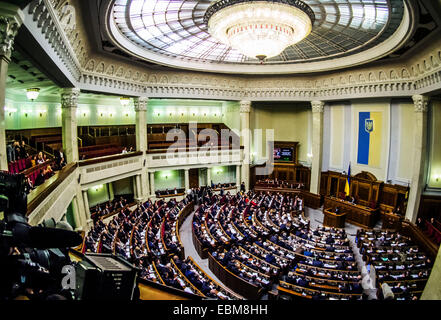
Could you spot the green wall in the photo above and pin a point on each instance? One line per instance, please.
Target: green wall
(231, 111)
(98, 194)
(108, 111)
(223, 174)
(169, 179)
(123, 186)
(184, 111)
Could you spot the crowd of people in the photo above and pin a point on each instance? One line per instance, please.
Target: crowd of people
(16, 150)
(107, 208)
(401, 268)
(264, 239)
(148, 237)
(19, 160)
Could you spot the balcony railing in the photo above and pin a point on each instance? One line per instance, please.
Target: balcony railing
(97, 169)
(194, 156)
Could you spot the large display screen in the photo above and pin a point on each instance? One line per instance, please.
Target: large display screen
(283, 154)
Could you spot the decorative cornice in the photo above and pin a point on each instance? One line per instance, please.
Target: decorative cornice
(420, 102)
(245, 106)
(141, 103)
(418, 74)
(11, 18)
(45, 18)
(69, 97)
(317, 106)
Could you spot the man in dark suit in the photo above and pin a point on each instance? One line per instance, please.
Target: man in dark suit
(270, 258)
(242, 187)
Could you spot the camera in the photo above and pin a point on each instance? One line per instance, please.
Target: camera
(31, 258)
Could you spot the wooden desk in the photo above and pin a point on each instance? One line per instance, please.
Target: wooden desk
(244, 288)
(391, 220)
(356, 214)
(332, 219)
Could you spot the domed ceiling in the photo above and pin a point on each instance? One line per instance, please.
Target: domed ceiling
(345, 33)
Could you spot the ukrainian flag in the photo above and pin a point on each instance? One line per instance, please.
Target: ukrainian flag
(348, 181)
(370, 138)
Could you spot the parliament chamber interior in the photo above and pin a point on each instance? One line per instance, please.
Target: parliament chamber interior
(220, 150)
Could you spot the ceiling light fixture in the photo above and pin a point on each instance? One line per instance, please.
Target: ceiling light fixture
(258, 28)
(32, 93)
(124, 101)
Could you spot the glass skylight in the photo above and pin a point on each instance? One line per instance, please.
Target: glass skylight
(175, 28)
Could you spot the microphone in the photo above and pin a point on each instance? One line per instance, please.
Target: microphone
(46, 238)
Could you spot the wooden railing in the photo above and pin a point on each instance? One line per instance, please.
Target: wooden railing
(109, 158)
(235, 283)
(44, 190)
(411, 230)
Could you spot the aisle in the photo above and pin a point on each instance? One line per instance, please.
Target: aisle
(316, 219)
(186, 237)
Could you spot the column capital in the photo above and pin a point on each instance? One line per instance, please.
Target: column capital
(245, 106)
(141, 103)
(69, 97)
(317, 106)
(420, 102)
(11, 18)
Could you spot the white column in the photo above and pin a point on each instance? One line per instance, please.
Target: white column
(419, 156)
(134, 187)
(86, 208)
(139, 197)
(432, 290)
(209, 177)
(11, 18)
(245, 108)
(317, 145)
(141, 104)
(80, 213)
(110, 188)
(152, 184)
(187, 179)
(69, 104)
(76, 214)
(238, 177)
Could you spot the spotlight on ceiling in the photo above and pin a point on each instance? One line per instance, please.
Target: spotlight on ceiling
(32, 93)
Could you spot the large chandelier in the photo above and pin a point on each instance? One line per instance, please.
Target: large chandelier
(258, 28)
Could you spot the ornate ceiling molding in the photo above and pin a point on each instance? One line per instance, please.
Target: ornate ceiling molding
(11, 19)
(417, 74)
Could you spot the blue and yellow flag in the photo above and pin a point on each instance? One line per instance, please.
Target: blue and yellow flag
(348, 180)
(370, 138)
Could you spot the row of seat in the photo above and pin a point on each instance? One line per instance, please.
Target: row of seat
(19, 165)
(153, 235)
(397, 262)
(257, 246)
